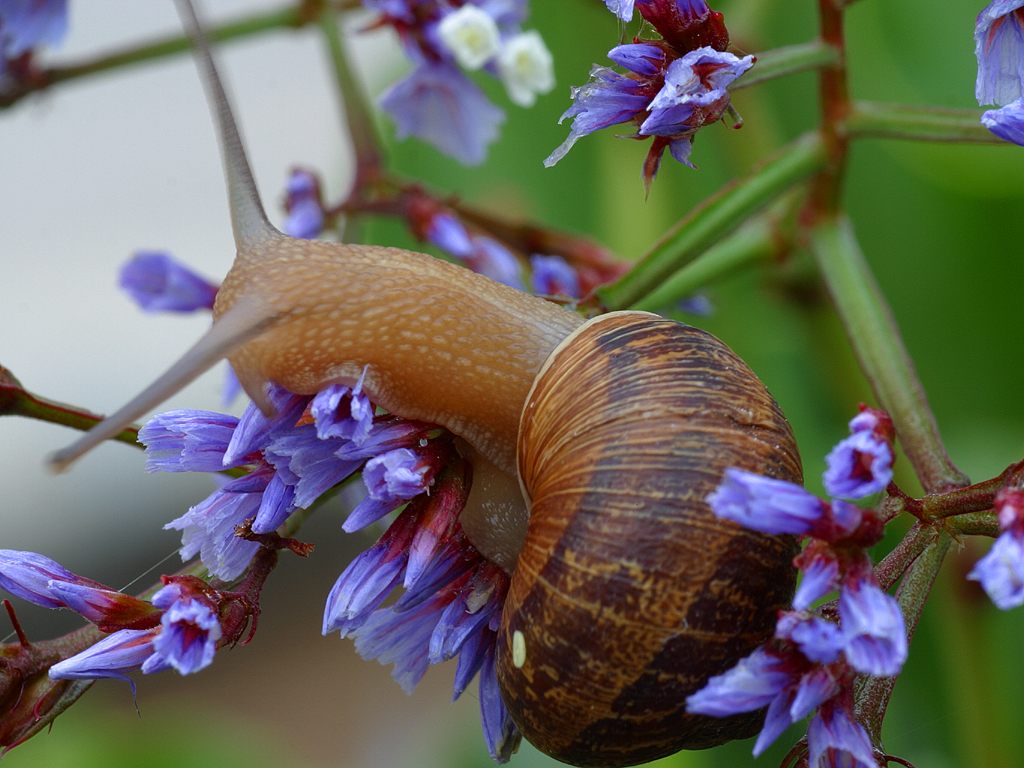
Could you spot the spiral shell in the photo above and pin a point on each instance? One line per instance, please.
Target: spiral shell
(628, 593)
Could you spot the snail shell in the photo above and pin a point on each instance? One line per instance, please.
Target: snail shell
(628, 593)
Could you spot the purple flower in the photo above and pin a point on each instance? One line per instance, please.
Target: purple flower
(859, 466)
(621, 8)
(1001, 571)
(448, 233)
(492, 259)
(608, 99)
(305, 209)
(188, 637)
(873, 631)
(340, 411)
(254, 430)
(765, 504)
(999, 47)
(159, 283)
(819, 640)
(439, 104)
(553, 276)
(1007, 122)
(820, 576)
(753, 683)
(835, 739)
(644, 59)
(112, 656)
(26, 24)
(187, 441)
(500, 732)
(30, 576)
(391, 478)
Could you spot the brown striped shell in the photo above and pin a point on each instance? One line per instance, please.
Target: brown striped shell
(628, 593)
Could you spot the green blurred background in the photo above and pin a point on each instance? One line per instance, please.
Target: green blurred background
(941, 225)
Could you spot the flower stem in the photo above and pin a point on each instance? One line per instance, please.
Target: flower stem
(883, 358)
(917, 123)
(895, 564)
(780, 62)
(357, 113)
(297, 16)
(15, 400)
(874, 693)
(715, 218)
(758, 241)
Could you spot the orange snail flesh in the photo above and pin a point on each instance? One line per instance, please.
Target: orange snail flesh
(628, 593)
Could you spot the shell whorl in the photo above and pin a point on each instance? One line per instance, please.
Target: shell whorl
(628, 593)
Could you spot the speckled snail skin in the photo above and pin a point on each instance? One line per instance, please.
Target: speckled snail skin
(626, 593)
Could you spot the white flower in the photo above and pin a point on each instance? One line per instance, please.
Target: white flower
(471, 35)
(526, 68)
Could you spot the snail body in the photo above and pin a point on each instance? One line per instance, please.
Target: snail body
(626, 593)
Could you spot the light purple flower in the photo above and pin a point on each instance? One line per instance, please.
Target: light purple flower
(254, 430)
(439, 104)
(643, 58)
(500, 732)
(341, 411)
(159, 283)
(26, 24)
(1001, 571)
(450, 235)
(554, 276)
(113, 656)
(188, 637)
(753, 683)
(835, 739)
(858, 466)
(29, 576)
(819, 640)
(491, 259)
(999, 47)
(621, 8)
(391, 479)
(873, 630)
(1007, 122)
(820, 577)
(765, 504)
(187, 441)
(305, 210)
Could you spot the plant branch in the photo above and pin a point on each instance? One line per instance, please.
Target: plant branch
(872, 119)
(780, 62)
(876, 341)
(715, 218)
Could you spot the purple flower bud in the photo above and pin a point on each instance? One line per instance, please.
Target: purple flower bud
(753, 683)
(309, 464)
(553, 276)
(1007, 122)
(112, 656)
(873, 629)
(491, 259)
(500, 732)
(440, 105)
(835, 739)
(341, 411)
(305, 210)
(765, 504)
(999, 47)
(390, 479)
(815, 688)
(642, 58)
(448, 233)
(29, 576)
(820, 576)
(158, 283)
(819, 640)
(188, 639)
(859, 466)
(108, 609)
(187, 441)
(26, 24)
(401, 638)
(1001, 572)
(362, 587)
(254, 430)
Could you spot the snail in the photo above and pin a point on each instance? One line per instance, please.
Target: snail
(593, 446)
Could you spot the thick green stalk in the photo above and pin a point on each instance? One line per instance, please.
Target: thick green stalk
(916, 123)
(780, 62)
(874, 693)
(877, 343)
(715, 218)
(758, 241)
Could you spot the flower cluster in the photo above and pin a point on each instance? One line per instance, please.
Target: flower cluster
(1001, 571)
(999, 46)
(25, 25)
(811, 662)
(673, 86)
(179, 628)
(452, 596)
(437, 102)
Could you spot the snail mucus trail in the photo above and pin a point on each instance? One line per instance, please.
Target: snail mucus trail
(626, 593)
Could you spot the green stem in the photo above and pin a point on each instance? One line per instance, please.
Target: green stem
(715, 218)
(756, 242)
(357, 112)
(917, 123)
(297, 16)
(874, 693)
(877, 343)
(780, 62)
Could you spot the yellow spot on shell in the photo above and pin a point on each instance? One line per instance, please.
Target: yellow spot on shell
(518, 649)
